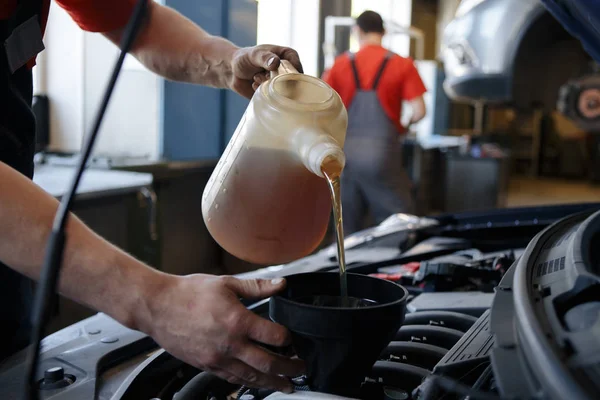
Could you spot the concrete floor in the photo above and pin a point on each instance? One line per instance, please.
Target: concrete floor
(529, 192)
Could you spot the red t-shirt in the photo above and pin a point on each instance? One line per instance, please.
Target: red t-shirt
(90, 15)
(400, 80)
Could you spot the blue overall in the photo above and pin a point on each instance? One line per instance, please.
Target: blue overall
(373, 180)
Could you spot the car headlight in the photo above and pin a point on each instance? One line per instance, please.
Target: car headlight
(465, 6)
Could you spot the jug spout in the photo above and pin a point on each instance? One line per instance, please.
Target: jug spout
(315, 147)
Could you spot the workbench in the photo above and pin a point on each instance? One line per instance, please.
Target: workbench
(94, 183)
(183, 244)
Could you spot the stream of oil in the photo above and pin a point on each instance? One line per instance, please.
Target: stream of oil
(332, 170)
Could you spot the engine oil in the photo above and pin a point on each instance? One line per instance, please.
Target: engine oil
(332, 169)
(267, 201)
(271, 211)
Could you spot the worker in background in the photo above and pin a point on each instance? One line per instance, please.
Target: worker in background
(373, 84)
(197, 318)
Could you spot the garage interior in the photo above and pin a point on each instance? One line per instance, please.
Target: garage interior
(161, 140)
(488, 289)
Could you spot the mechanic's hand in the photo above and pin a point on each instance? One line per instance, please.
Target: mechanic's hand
(200, 320)
(251, 66)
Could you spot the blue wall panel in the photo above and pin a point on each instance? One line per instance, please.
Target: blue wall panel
(241, 30)
(192, 122)
(199, 121)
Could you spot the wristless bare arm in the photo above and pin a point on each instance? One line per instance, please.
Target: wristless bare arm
(418, 108)
(94, 272)
(197, 318)
(176, 48)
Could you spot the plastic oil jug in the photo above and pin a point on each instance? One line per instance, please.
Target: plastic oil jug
(267, 201)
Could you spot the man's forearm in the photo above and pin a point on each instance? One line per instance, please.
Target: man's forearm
(94, 272)
(418, 109)
(174, 47)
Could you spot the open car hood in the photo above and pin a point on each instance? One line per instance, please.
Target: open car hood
(582, 19)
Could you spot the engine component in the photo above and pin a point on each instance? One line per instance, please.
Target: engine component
(207, 384)
(471, 350)
(418, 354)
(55, 378)
(497, 357)
(305, 396)
(404, 376)
(101, 336)
(435, 335)
(471, 303)
(437, 246)
(539, 302)
(463, 270)
(446, 319)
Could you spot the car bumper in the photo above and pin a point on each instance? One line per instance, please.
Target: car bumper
(493, 88)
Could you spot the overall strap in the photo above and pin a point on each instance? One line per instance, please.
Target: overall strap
(381, 69)
(354, 70)
(21, 35)
(25, 10)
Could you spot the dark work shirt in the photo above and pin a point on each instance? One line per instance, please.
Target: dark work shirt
(17, 145)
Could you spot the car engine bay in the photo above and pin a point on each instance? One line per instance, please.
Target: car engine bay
(502, 304)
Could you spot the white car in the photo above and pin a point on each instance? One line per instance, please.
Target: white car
(514, 51)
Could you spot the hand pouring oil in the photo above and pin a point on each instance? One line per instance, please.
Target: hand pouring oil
(332, 169)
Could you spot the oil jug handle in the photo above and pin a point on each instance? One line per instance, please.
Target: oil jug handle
(285, 67)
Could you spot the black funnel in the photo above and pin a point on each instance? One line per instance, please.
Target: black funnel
(339, 344)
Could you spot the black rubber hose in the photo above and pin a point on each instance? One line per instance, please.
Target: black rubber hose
(398, 375)
(413, 353)
(452, 386)
(444, 319)
(435, 335)
(203, 384)
(483, 378)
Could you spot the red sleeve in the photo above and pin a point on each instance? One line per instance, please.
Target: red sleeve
(329, 77)
(99, 15)
(413, 85)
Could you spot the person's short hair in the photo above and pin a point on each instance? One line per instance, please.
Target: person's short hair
(370, 21)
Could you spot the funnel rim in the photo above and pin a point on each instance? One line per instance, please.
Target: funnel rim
(348, 309)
